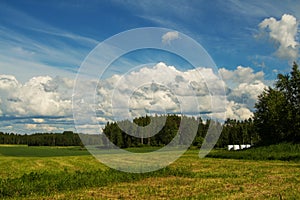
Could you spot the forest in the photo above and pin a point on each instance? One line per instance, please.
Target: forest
(67, 138)
(233, 132)
(276, 119)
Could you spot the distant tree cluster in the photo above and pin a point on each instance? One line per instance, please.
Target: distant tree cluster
(170, 129)
(67, 138)
(234, 132)
(238, 132)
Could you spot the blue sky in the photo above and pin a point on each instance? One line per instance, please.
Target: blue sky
(226, 29)
(52, 38)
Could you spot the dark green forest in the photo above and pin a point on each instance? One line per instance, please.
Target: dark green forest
(276, 120)
(67, 138)
(233, 132)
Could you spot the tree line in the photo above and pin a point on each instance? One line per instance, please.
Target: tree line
(67, 138)
(233, 131)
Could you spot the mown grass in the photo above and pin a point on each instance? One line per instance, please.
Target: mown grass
(16, 160)
(144, 149)
(47, 183)
(42, 151)
(83, 177)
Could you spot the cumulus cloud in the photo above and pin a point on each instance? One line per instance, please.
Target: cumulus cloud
(247, 93)
(7, 82)
(164, 89)
(41, 95)
(41, 104)
(159, 89)
(237, 111)
(240, 75)
(169, 36)
(283, 32)
(243, 87)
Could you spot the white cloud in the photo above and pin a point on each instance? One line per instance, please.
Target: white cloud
(243, 87)
(237, 111)
(161, 89)
(240, 75)
(38, 120)
(153, 89)
(31, 126)
(164, 89)
(8, 82)
(169, 36)
(42, 128)
(247, 92)
(8, 127)
(41, 95)
(283, 32)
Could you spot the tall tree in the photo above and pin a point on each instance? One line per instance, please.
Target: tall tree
(268, 118)
(289, 85)
(277, 116)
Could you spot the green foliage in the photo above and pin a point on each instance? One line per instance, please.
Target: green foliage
(237, 132)
(277, 116)
(268, 118)
(164, 136)
(233, 132)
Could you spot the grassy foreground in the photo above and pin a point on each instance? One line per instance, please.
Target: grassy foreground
(71, 173)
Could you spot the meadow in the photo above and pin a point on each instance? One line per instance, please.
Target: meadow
(72, 173)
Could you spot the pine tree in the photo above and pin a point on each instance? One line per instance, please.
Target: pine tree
(277, 116)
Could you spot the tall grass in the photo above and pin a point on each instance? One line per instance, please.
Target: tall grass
(46, 183)
(284, 151)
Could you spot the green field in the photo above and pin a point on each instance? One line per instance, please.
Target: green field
(284, 152)
(72, 173)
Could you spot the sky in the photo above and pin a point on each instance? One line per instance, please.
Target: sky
(45, 44)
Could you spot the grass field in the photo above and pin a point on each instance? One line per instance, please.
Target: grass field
(284, 151)
(72, 173)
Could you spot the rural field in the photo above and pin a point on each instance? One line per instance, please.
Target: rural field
(72, 173)
(96, 95)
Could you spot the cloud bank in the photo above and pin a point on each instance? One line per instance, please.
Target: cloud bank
(41, 95)
(44, 103)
